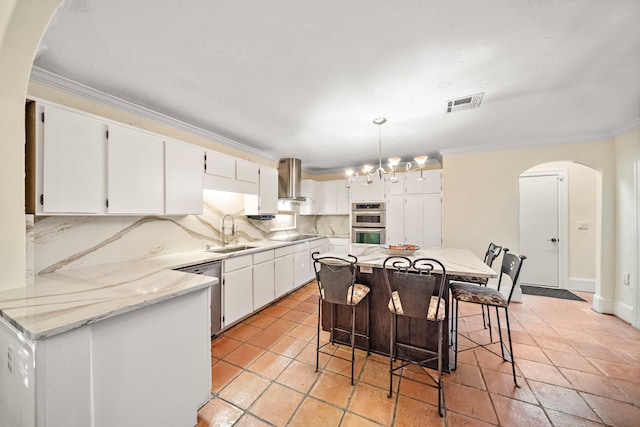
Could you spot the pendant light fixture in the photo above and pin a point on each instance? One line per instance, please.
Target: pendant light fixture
(394, 162)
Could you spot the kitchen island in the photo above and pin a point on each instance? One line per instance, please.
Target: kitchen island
(458, 262)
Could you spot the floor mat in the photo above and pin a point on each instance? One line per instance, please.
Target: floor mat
(549, 292)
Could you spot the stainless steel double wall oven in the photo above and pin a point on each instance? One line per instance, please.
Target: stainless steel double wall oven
(368, 223)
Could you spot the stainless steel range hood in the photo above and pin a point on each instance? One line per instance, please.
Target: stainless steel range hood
(289, 177)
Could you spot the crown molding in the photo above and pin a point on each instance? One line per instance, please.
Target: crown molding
(626, 128)
(47, 78)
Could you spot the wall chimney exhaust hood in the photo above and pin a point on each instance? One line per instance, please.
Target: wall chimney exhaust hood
(289, 177)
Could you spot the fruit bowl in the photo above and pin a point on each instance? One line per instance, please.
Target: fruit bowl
(402, 249)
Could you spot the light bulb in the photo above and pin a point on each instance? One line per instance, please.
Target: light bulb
(349, 173)
(393, 161)
(421, 160)
(367, 169)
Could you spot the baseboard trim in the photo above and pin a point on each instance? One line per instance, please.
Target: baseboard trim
(582, 285)
(602, 305)
(623, 311)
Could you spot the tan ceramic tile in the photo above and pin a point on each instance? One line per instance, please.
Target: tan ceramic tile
(468, 375)
(244, 389)
(343, 367)
(556, 344)
(244, 355)
(282, 326)
(307, 307)
(218, 413)
(372, 403)
(314, 413)
(502, 383)
(469, 401)
(295, 316)
(288, 303)
(423, 391)
(270, 365)
(249, 420)
(288, 346)
(599, 385)
(299, 376)
(516, 413)
(353, 420)
(332, 388)
(530, 352)
(277, 404)
(542, 372)
(562, 399)
(221, 374)
(265, 339)
(377, 374)
(567, 420)
(623, 371)
(310, 320)
(275, 310)
(261, 320)
(308, 355)
(243, 332)
(570, 360)
(411, 413)
(613, 412)
(303, 332)
(631, 389)
(222, 346)
(458, 420)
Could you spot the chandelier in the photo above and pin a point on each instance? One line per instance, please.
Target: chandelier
(394, 163)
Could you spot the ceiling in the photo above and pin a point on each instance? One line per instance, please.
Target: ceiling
(305, 79)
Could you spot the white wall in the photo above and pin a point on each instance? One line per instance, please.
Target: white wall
(480, 201)
(626, 256)
(22, 24)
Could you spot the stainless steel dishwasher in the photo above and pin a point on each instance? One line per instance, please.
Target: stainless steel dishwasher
(212, 269)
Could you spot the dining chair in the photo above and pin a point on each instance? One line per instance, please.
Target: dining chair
(336, 279)
(473, 294)
(493, 251)
(416, 290)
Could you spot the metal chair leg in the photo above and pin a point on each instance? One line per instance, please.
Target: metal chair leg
(391, 353)
(513, 359)
(353, 339)
(318, 335)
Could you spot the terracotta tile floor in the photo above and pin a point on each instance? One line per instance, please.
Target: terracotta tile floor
(576, 368)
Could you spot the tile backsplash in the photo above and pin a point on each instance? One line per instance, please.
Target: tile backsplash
(61, 242)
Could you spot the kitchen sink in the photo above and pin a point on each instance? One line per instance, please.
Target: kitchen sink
(229, 249)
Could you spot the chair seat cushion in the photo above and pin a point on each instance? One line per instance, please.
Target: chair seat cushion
(359, 292)
(433, 306)
(466, 279)
(478, 294)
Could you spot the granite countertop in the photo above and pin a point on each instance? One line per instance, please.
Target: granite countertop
(68, 299)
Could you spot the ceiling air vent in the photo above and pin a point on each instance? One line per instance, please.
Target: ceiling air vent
(464, 103)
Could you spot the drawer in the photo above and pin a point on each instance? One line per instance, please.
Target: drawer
(236, 263)
(301, 247)
(315, 244)
(263, 256)
(285, 250)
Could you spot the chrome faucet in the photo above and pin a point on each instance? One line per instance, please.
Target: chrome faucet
(233, 229)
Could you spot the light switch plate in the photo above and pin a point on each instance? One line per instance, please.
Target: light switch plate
(583, 226)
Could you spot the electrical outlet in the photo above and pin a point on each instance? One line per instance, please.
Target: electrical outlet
(10, 359)
(626, 279)
(583, 226)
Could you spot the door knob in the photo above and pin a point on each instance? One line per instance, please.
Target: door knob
(554, 240)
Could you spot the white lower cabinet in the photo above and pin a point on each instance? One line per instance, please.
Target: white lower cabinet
(237, 288)
(302, 270)
(283, 270)
(263, 279)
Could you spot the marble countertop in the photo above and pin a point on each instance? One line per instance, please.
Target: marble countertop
(68, 299)
(461, 262)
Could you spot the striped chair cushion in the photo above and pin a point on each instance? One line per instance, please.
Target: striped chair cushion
(431, 315)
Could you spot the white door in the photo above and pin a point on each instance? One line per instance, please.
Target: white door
(539, 229)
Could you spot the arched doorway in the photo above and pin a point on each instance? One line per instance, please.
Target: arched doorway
(559, 225)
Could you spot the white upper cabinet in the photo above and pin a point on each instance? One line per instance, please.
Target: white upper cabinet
(247, 171)
(410, 183)
(183, 178)
(310, 189)
(266, 201)
(73, 162)
(219, 164)
(363, 192)
(135, 171)
(335, 197)
(228, 173)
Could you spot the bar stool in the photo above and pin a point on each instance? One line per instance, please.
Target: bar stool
(417, 293)
(337, 283)
(473, 294)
